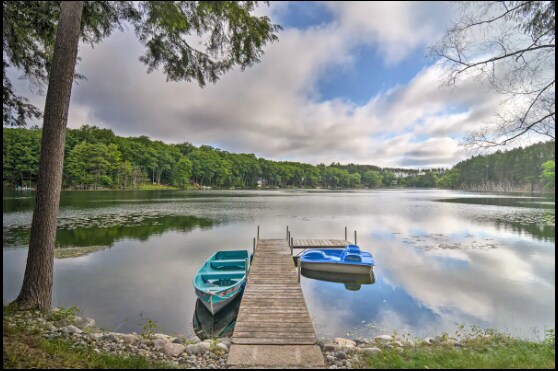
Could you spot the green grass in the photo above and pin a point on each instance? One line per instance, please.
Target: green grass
(496, 352)
(26, 348)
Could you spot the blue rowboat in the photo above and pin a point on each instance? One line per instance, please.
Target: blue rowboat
(221, 278)
(348, 260)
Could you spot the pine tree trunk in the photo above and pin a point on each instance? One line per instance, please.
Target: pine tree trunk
(36, 291)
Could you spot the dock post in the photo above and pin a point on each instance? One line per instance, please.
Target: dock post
(258, 232)
(287, 235)
(254, 246)
(345, 233)
(298, 270)
(355, 238)
(292, 244)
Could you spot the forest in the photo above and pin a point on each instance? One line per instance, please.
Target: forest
(96, 158)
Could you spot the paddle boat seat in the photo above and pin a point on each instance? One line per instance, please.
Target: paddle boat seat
(315, 255)
(351, 253)
(228, 263)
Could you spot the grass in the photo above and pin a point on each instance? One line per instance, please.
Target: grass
(498, 351)
(24, 347)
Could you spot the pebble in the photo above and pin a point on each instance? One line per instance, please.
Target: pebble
(346, 343)
(341, 355)
(383, 339)
(331, 347)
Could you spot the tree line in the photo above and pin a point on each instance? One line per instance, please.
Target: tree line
(527, 169)
(96, 158)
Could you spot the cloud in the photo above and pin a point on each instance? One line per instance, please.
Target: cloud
(273, 109)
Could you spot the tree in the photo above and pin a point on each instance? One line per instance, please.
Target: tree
(511, 45)
(181, 173)
(548, 175)
(36, 291)
(234, 37)
(372, 178)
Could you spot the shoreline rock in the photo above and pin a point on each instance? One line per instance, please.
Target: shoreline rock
(191, 352)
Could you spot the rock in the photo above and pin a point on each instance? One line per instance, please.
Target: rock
(427, 340)
(196, 349)
(223, 346)
(84, 323)
(371, 351)
(363, 343)
(397, 344)
(383, 339)
(331, 348)
(330, 359)
(346, 343)
(180, 340)
(129, 339)
(226, 341)
(341, 355)
(162, 337)
(204, 346)
(96, 350)
(111, 336)
(173, 349)
(348, 364)
(158, 344)
(70, 330)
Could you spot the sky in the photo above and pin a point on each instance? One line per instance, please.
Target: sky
(347, 82)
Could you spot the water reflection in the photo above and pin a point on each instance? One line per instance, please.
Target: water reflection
(530, 202)
(105, 231)
(439, 263)
(352, 282)
(207, 326)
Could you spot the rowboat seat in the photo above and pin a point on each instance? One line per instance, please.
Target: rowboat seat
(228, 263)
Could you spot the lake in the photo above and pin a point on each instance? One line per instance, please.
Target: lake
(443, 258)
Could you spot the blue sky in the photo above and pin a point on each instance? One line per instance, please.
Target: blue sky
(368, 74)
(346, 82)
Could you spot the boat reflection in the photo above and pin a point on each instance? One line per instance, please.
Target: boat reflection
(352, 282)
(207, 326)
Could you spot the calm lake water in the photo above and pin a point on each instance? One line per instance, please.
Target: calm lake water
(443, 258)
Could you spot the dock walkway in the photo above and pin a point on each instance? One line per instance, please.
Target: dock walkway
(273, 327)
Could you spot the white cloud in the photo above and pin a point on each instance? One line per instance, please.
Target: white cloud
(273, 109)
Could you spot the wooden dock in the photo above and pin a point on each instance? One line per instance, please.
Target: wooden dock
(317, 243)
(273, 327)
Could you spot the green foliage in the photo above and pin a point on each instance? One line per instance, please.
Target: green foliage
(548, 175)
(450, 179)
(506, 169)
(149, 328)
(372, 178)
(495, 351)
